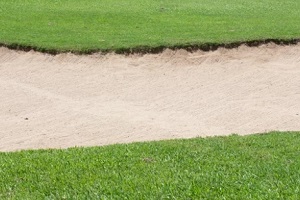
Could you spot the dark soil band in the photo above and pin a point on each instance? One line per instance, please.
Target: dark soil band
(155, 50)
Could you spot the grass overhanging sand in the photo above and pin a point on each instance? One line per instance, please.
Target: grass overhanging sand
(236, 167)
(148, 26)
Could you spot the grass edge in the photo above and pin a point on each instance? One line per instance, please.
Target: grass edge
(190, 47)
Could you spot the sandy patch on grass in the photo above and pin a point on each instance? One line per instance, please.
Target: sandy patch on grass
(68, 100)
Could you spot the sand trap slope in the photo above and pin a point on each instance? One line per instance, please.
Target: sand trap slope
(68, 100)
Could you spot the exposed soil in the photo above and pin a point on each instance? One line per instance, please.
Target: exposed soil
(66, 100)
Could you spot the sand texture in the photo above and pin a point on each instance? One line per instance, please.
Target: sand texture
(69, 100)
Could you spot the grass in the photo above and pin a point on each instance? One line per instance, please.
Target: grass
(262, 166)
(91, 25)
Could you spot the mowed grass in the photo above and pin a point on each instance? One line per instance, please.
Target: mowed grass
(262, 166)
(86, 25)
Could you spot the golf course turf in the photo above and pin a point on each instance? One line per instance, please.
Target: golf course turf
(235, 167)
(92, 25)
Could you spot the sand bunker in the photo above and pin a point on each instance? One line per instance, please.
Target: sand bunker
(69, 100)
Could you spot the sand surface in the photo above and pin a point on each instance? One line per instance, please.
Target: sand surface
(69, 100)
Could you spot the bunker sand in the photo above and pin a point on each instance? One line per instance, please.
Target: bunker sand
(69, 100)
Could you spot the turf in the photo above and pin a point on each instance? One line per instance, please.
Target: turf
(262, 166)
(86, 25)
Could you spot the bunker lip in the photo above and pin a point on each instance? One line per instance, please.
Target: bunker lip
(67, 100)
(190, 47)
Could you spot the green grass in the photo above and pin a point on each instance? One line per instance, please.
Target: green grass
(85, 25)
(251, 167)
